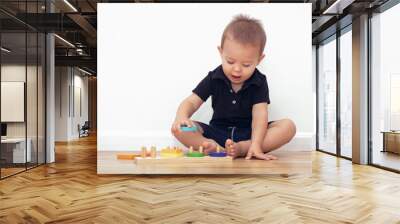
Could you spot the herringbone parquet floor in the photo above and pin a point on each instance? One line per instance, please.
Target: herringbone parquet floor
(70, 191)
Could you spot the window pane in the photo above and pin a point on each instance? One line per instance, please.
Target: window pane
(41, 98)
(31, 85)
(346, 93)
(14, 153)
(327, 96)
(31, 101)
(386, 88)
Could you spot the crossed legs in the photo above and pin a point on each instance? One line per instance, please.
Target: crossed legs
(278, 134)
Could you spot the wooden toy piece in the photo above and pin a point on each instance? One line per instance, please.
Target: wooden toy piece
(198, 153)
(218, 153)
(201, 149)
(128, 156)
(171, 152)
(153, 152)
(190, 149)
(185, 128)
(195, 154)
(144, 152)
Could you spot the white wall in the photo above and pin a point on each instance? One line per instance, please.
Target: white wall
(152, 55)
(80, 83)
(61, 103)
(68, 81)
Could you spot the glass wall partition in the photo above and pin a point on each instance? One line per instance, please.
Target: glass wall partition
(22, 88)
(13, 110)
(385, 89)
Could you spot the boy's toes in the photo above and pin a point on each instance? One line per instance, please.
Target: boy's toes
(231, 152)
(271, 157)
(206, 145)
(231, 148)
(229, 143)
(207, 151)
(209, 147)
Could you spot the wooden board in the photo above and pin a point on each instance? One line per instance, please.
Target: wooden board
(184, 161)
(289, 162)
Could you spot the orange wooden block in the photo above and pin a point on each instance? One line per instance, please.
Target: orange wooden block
(127, 156)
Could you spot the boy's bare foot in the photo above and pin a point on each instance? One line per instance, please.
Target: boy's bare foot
(209, 146)
(233, 149)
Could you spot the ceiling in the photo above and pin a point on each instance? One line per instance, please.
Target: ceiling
(76, 22)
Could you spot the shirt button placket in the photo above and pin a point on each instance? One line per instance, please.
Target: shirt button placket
(234, 96)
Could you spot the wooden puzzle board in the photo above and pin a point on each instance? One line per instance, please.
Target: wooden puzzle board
(289, 162)
(204, 161)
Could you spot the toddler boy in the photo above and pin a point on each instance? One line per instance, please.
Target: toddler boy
(240, 99)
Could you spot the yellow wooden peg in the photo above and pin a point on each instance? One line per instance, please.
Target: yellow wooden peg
(144, 152)
(153, 152)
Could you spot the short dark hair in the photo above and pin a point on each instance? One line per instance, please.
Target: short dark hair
(245, 30)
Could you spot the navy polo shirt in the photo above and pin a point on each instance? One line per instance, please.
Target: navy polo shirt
(233, 109)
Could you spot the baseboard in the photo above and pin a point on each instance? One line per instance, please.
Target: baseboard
(301, 142)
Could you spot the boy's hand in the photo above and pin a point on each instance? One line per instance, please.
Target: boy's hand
(256, 151)
(176, 126)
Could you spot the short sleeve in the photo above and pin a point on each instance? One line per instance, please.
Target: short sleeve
(261, 94)
(203, 89)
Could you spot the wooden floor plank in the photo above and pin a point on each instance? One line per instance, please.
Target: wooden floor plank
(71, 191)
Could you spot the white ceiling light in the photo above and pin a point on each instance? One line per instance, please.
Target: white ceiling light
(65, 41)
(70, 5)
(337, 7)
(84, 71)
(5, 50)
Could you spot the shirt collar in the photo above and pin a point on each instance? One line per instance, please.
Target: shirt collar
(254, 79)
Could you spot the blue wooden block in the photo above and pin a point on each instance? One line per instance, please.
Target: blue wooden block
(187, 129)
(217, 154)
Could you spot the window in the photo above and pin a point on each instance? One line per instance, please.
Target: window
(327, 96)
(346, 93)
(385, 89)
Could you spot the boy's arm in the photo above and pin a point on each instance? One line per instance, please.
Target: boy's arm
(185, 110)
(259, 129)
(188, 106)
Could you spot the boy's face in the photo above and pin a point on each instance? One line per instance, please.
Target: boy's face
(239, 61)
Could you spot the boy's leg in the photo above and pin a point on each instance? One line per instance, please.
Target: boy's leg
(196, 139)
(278, 134)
